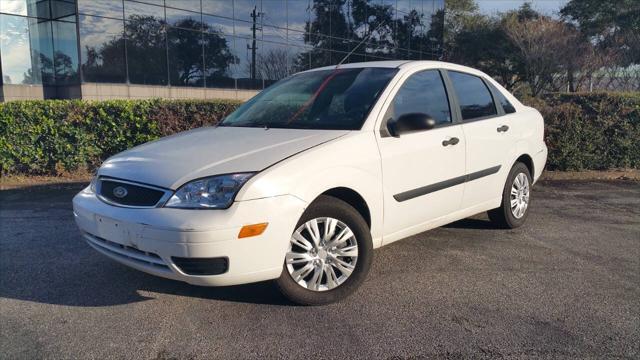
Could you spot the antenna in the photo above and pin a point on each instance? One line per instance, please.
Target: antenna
(360, 43)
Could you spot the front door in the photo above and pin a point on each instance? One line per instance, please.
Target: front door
(423, 172)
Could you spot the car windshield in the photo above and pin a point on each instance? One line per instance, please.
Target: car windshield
(337, 99)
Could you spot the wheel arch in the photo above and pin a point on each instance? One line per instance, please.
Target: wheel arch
(527, 160)
(352, 198)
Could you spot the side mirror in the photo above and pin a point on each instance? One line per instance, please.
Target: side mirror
(410, 123)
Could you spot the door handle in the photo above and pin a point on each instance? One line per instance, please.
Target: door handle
(451, 141)
(503, 128)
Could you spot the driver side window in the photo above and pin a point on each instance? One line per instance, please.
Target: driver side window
(423, 92)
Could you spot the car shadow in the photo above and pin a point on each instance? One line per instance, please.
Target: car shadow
(44, 259)
(472, 223)
(108, 283)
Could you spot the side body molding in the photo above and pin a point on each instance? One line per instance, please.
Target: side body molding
(414, 193)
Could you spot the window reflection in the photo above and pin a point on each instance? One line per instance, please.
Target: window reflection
(208, 42)
(186, 66)
(298, 12)
(136, 9)
(152, 2)
(21, 62)
(102, 49)
(65, 56)
(219, 58)
(107, 8)
(191, 5)
(146, 49)
(184, 19)
(242, 69)
(216, 24)
(274, 14)
(245, 29)
(243, 9)
(218, 7)
(62, 8)
(32, 8)
(274, 62)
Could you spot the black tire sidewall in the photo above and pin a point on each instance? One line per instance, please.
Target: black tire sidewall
(327, 206)
(510, 219)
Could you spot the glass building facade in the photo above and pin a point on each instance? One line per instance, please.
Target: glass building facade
(228, 44)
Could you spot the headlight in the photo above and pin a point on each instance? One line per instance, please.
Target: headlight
(91, 189)
(93, 184)
(216, 192)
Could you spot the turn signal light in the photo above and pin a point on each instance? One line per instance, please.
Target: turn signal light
(252, 230)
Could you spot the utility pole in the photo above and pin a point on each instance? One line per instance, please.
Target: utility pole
(254, 15)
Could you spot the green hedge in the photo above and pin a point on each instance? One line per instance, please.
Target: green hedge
(583, 131)
(53, 137)
(591, 131)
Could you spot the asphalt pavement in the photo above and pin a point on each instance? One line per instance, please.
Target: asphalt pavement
(566, 285)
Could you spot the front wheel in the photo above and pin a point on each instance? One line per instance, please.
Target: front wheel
(329, 254)
(516, 199)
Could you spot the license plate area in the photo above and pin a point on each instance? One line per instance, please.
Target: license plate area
(112, 230)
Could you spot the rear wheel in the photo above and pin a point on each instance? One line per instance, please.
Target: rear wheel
(329, 254)
(516, 198)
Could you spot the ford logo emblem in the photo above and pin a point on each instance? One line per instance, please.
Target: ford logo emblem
(120, 192)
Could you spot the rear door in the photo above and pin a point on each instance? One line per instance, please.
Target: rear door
(489, 136)
(422, 170)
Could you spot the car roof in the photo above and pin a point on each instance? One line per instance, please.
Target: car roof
(393, 64)
(423, 64)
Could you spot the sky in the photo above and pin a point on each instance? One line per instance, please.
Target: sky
(547, 7)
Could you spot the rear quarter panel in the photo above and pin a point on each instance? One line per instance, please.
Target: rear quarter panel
(531, 139)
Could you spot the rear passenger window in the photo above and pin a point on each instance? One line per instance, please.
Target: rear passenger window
(423, 92)
(506, 105)
(473, 96)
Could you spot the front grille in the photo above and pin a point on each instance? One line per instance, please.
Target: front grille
(202, 266)
(128, 194)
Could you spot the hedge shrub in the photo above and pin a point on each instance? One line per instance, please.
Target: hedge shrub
(49, 137)
(591, 131)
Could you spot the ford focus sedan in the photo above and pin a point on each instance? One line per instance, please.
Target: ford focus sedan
(301, 183)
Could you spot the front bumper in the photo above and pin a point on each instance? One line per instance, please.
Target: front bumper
(148, 239)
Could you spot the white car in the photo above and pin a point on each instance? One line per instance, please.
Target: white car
(304, 180)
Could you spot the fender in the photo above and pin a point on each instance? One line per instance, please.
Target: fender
(323, 168)
(367, 185)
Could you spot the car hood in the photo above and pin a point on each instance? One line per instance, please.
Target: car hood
(172, 161)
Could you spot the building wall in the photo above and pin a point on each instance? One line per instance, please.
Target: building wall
(199, 48)
(98, 91)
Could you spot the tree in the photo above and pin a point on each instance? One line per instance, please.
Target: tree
(611, 24)
(544, 45)
(485, 45)
(482, 42)
(275, 64)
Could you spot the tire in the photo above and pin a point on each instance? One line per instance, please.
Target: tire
(504, 216)
(332, 285)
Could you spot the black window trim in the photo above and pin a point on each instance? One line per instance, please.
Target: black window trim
(454, 104)
(494, 92)
(459, 119)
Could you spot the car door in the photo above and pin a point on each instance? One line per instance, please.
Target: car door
(422, 170)
(489, 138)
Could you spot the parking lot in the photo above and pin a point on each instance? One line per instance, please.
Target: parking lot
(566, 285)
